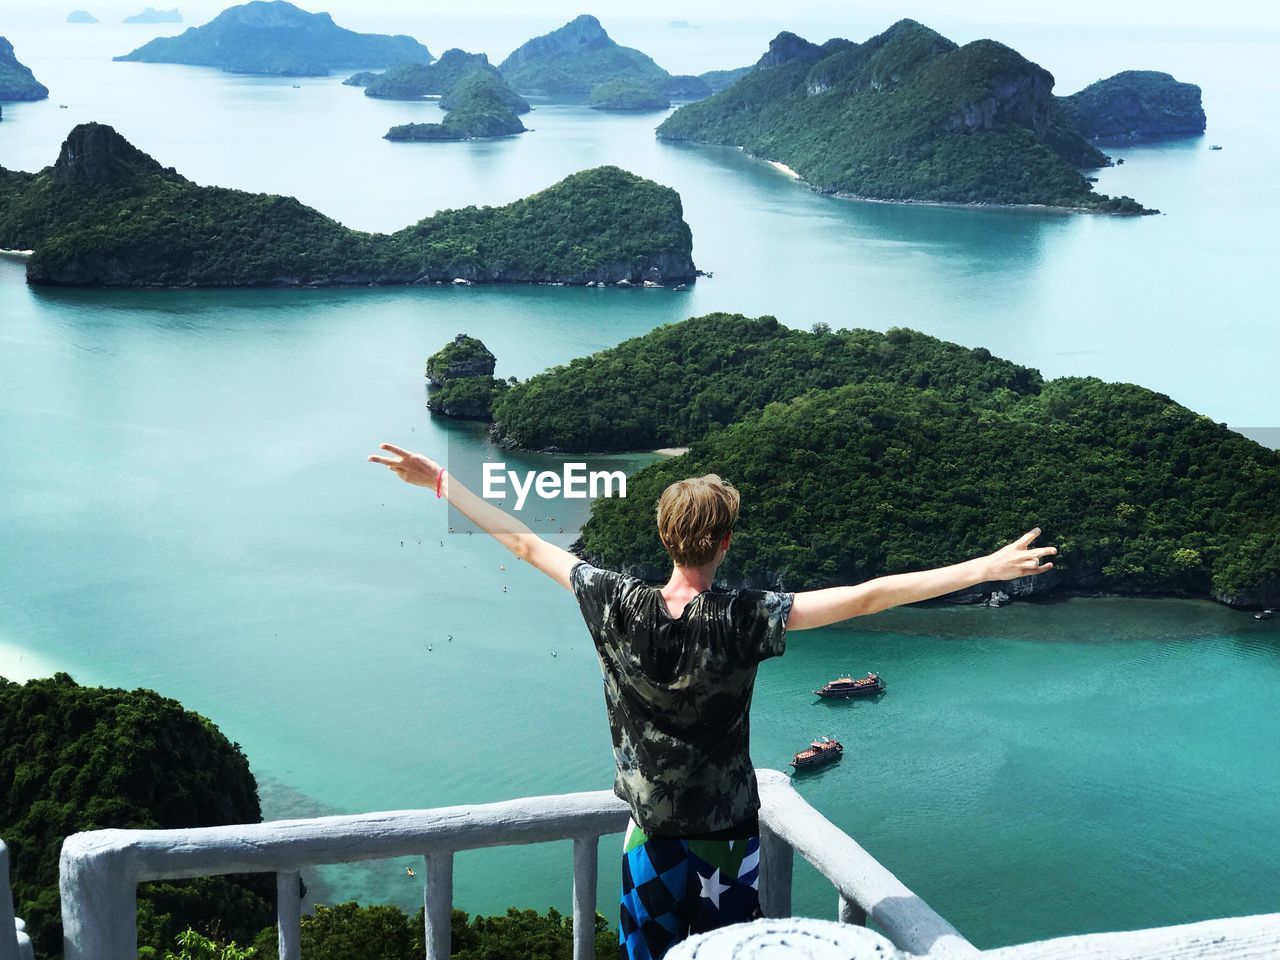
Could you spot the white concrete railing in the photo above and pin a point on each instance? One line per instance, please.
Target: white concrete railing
(14, 942)
(863, 885)
(100, 870)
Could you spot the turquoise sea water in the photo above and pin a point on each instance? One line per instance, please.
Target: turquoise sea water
(184, 502)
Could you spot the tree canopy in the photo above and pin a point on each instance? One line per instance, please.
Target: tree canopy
(76, 758)
(1140, 494)
(673, 384)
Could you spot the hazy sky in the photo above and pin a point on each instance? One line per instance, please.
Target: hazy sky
(1152, 13)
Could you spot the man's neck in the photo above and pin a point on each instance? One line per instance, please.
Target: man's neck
(688, 582)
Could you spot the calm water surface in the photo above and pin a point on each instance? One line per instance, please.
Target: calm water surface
(184, 503)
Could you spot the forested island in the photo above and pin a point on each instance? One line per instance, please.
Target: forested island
(906, 115)
(580, 56)
(629, 95)
(478, 108)
(455, 68)
(107, 214)
(152, 15)
(461, 373)
(862, 453)
(75, 758)
(17, 82)
(1136, 105)
(276, 38)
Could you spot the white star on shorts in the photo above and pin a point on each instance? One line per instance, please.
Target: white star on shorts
(712, 887)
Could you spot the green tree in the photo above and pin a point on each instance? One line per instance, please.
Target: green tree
(348, 930)
(195, 946)
(76, 758)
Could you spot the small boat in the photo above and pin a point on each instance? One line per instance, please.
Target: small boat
(1215, 147)
(866, 686)
(1264, 615)
(818, 752)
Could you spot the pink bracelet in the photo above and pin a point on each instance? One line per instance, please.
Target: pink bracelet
(439, 477)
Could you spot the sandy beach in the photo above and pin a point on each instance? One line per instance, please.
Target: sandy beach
(671, 451)
(779, 165)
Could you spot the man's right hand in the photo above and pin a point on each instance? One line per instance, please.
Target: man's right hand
(410, 467)
(1018, 559)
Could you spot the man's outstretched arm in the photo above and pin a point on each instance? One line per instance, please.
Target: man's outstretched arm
(513, 534)
(818, 608)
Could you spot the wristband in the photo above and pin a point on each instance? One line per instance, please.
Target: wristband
(439, 477)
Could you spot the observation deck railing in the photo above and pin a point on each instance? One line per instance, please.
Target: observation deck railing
(101, 869)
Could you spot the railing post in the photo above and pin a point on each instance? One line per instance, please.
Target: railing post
(776, 862)
(289, 915)
(8, 927)
(846, 911)
(586, 866)
(438, 905)
(99, 901)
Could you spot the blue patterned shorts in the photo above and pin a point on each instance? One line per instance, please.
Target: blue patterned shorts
(672, 888)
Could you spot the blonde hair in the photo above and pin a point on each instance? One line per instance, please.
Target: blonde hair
(694, 515)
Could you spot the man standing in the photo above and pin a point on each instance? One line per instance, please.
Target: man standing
(679, 664)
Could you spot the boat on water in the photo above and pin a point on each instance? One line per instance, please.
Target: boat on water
(1264, 615)
(824, 750)
(867, 686)
(1215, 147)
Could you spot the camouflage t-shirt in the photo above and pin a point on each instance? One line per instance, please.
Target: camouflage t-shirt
(678, 693)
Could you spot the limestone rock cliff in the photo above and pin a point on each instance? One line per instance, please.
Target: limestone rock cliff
(462, 374)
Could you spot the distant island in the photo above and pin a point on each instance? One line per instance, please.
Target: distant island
(907, 452)
(17, 82)
(106, 214)
(628, 95)
(81, 16)
(478, 107)
(152, 15)
(1136, 105)
(907, 115)
(578, 57)
(413, 81)
(273, 37)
